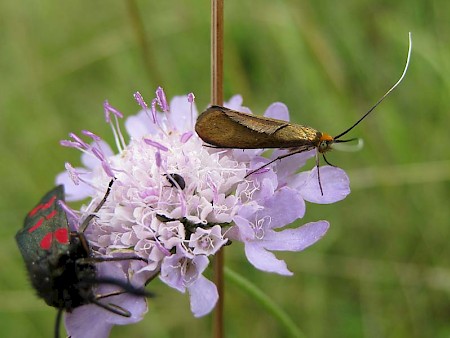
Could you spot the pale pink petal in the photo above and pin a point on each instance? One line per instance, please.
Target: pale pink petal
(284, 207)
(203, 296)
(295, 239)
(180, 115)
(335, 185)
(277, 110)
(265, 260)
(74, 192)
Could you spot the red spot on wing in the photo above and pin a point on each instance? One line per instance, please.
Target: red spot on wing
(51, 215)
(45, 205)
(46, 241)
(35, 210)
(48, 204)
(62, 235)
(37, 225)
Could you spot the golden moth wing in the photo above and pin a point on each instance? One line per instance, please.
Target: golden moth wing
(226, 128)
(216, 128)
(259, 124)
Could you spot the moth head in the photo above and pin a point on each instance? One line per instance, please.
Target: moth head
(325, 142)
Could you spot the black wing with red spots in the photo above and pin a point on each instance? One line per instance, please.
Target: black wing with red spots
(60, 263)
(45, 233)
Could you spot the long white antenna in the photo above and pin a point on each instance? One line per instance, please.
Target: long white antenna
(384, 96)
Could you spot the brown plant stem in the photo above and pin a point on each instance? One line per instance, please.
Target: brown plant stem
(217, 52)
(217, 98)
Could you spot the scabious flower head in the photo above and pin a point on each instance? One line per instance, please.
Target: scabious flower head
(175, 202)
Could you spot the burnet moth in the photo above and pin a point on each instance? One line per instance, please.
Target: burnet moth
(60, 262)
(226, 128)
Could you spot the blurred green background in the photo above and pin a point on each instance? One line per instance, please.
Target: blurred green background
(382, 270)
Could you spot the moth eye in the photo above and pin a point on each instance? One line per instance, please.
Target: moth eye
(323, 146)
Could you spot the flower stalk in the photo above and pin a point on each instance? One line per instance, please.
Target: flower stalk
(217, 98)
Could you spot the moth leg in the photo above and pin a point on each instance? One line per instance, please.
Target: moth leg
(125, 286)
(318, 172)
(58, 322)
(296, 151)
(90, 260)
(88, 219)
(326, 161)
(110, 294)
(118, 310)
(83, 241)
(213, 146)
